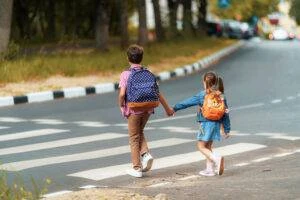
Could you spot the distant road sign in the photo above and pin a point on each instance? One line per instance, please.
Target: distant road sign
(224, 3)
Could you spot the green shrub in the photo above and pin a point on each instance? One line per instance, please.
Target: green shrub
(12, 52)
(17, 190)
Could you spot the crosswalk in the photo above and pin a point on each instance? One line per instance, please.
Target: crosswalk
(169, 161)
(16, 156)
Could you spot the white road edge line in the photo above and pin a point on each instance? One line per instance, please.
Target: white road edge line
(159, 184)
(54, 194)
(88, 187)
(188, 177)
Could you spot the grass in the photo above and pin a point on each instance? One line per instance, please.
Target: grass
(16, 190)
(88, 61)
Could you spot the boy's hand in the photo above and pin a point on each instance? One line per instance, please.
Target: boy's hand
(170, 112)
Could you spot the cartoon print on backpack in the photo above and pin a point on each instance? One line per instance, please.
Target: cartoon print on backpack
(214, 106)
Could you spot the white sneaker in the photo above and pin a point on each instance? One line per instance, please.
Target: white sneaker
(134, 172)
(147, 161)
(219, 165)
(207, 173)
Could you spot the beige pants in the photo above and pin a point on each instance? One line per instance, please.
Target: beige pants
(137, 141)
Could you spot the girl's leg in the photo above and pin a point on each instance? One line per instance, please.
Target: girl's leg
(202, 146)
(218, 160)
(209, 163)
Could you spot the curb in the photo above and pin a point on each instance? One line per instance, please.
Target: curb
(111, 87)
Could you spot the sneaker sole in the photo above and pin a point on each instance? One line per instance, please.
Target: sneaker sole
(133, 175)
(206, 174)
(149, 165)
(221, 167)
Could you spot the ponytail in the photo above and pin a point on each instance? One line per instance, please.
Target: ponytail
(211, 81)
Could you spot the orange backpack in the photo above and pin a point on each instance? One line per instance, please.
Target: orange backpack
(213, 106)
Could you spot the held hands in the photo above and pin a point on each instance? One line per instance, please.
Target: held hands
(170, 112)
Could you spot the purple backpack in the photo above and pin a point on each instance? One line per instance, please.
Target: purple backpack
(142, 91)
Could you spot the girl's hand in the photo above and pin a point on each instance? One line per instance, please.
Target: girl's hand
(170, 112)
(225, 135)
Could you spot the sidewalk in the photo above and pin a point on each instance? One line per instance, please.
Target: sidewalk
(73, 92)
(272, 179)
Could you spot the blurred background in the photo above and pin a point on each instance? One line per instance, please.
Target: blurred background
(38, 37)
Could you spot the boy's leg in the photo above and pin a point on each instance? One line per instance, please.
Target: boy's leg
(147, 159)
(143, 142)
(134, 127)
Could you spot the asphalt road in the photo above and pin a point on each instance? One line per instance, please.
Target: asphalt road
(83, 141)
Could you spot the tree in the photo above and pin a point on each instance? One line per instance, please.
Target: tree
(187, 17)
(124, 23)
(159, 30)
(143, 31)
(102, 24)
(202, 12)
(295, 10)
(5, 23)
(49, 13)
(245, 10)
(173, 7)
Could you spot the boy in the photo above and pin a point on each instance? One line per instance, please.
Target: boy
(137, 119)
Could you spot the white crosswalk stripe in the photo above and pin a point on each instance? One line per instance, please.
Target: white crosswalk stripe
(170, 161)
(30, 134)
(17, 166)
(281, 136)
(113, 170)
(48, 121)
(91, 124)
(60, 143)
(11, 119)
(3, 127)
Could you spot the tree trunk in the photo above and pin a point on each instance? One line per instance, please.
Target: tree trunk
(173, 6)
(5, 23)
(102, 25)
(159, 30)
(124, 24)
(202, 16)
(143, 32)
(187, 17)
(50, 17)
(66, 17)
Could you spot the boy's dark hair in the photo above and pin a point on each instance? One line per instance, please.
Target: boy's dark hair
(135, 54)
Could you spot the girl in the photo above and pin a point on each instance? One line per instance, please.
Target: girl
(209, 130)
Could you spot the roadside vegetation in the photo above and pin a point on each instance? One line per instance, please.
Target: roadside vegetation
(16, 189)
(75, 62)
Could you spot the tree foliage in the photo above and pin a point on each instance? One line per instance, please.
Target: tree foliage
(244, 10)
(295, 10)
(98, 20)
